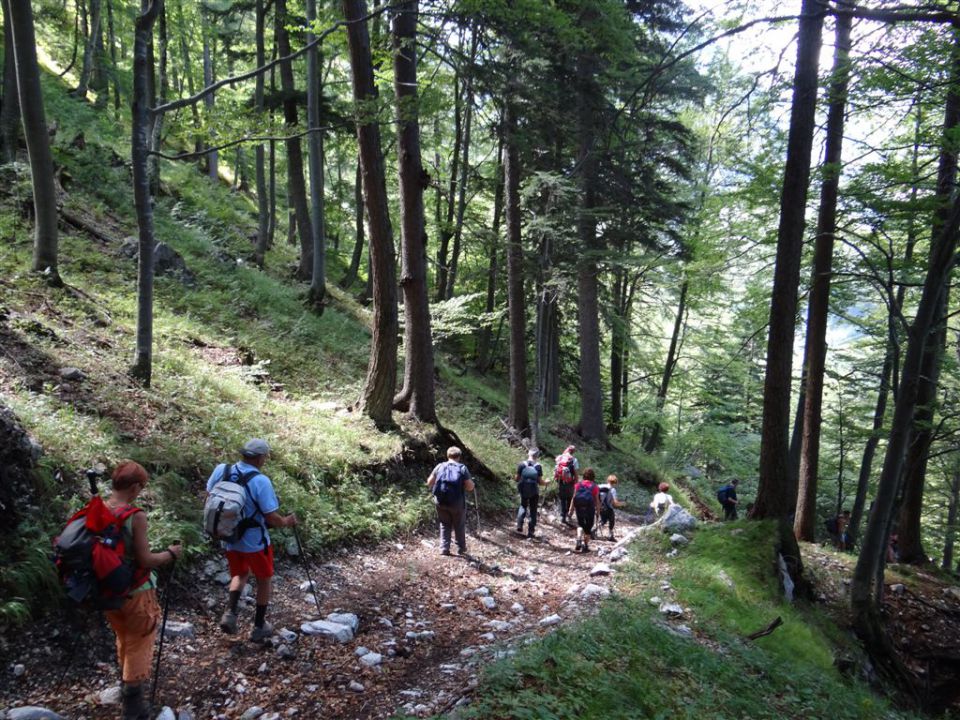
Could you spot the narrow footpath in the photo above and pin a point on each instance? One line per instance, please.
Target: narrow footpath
(424, 627)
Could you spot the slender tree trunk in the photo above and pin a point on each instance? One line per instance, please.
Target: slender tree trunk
(465, 168)
(10, 109)
(819, 302)
(381, 381)
(519, 413)
(668, 368)
(46, 213)
(773, 499)
(114, 73)
(354, 270)
(446, 227)
(209, 101)
(616, 349)
(485, 336)
(89, 50)
(156, 128)
(296, 185)
(591, 424)
(259, 153)
(318, 273)
(143, 361)
(953, 506)
(865, 590)
(417, 394)
(188, 73)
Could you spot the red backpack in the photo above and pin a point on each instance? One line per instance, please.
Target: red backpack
(91, 556)
(565, 471)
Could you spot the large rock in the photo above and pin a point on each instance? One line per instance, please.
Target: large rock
(348, 619)
(166, 260)
(678, 520)
(32, 712)
(175, 629)
(325, 628)
(594, 591)
(167, 714)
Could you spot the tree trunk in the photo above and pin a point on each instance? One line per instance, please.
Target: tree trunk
(446, 227)
(185, 56)
(417, 394)
(10, 109)
(296, 185)
(865, 591)
(259, 153)
(318, 272)
(616, 350)
(140, 117)
(819, 301)
(773, 499)
(114, 73)
(656, 436)
(591, 424)
(953, 506)
(89, 49)
(213, 157)
(46, 213)
(381, 381)
(485, 337)
(519, 413)
(156, 127)
(465, 168)
(354, 270)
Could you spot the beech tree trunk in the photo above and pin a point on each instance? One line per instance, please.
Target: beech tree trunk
(209, 101)
(156, 121)
(318, 272)
(259, 153)
(296, 186)
(139, 146)
(46, 212)
(10, 107)
(381, 381)
(819, 301)
(953, 512)
(417, 394)
(591, 424)
(446, 226)
(464, 170)
(89, 49)
(354, 270)
(519, 413)
(485, 337)
(114, 74)
(773, 496)
(655, 439)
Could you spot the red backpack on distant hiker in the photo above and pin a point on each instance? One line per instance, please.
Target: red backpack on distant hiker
(91, 555)
(566, 469)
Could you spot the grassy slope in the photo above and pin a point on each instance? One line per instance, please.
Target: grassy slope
(620, 664)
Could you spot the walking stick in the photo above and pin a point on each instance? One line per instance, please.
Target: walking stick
(476, 505)
(163, 629)
(306, 567)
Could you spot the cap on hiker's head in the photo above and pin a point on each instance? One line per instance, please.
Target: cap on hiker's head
(255, 448)
(127, 474)
(570, 449)
(453, 451)
(663, 487)
(533, 453)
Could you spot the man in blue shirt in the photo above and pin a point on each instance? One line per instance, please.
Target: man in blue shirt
(252, 552)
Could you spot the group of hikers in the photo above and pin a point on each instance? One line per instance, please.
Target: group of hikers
(104, 553)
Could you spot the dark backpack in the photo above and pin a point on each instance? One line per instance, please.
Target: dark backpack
(565, 471)
(91, 556)
(833, 527)
(723, 494)
(448, 488)
(529, 483)
(583, 496)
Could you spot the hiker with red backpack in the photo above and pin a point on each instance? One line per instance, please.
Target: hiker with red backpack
(565, 473)
(118, 576)
(241, 505)
(586, 503)
(449, 483)
(529, 479)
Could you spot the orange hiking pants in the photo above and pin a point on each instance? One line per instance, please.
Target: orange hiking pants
(135, 624)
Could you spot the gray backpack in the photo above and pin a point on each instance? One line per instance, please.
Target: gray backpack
(224, 512)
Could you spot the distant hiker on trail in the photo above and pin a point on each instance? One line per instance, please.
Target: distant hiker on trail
(837, 530)
(609, 501)
(450, 482)
(565, 473)
(529, 479)
(248, 549)
(662, 500)
(727, 497)
(135, 622)
(586, 503)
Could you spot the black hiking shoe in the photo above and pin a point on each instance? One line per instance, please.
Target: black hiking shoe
(135, 706)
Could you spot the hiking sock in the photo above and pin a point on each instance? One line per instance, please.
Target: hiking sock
(234, 601)
(260, 616)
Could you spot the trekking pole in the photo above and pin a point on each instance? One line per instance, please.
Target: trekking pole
(306, 567)
(163, 629)
(476, 505)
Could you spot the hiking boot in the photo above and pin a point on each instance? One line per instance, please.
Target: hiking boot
(462, 552)
(445, 551)
(135, 705)
(260, 634)
(520, 529)
(228, 622)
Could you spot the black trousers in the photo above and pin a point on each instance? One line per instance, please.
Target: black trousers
(528, 506)
(565, 491)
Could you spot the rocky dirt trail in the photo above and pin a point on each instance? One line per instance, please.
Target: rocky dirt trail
(424, 626)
